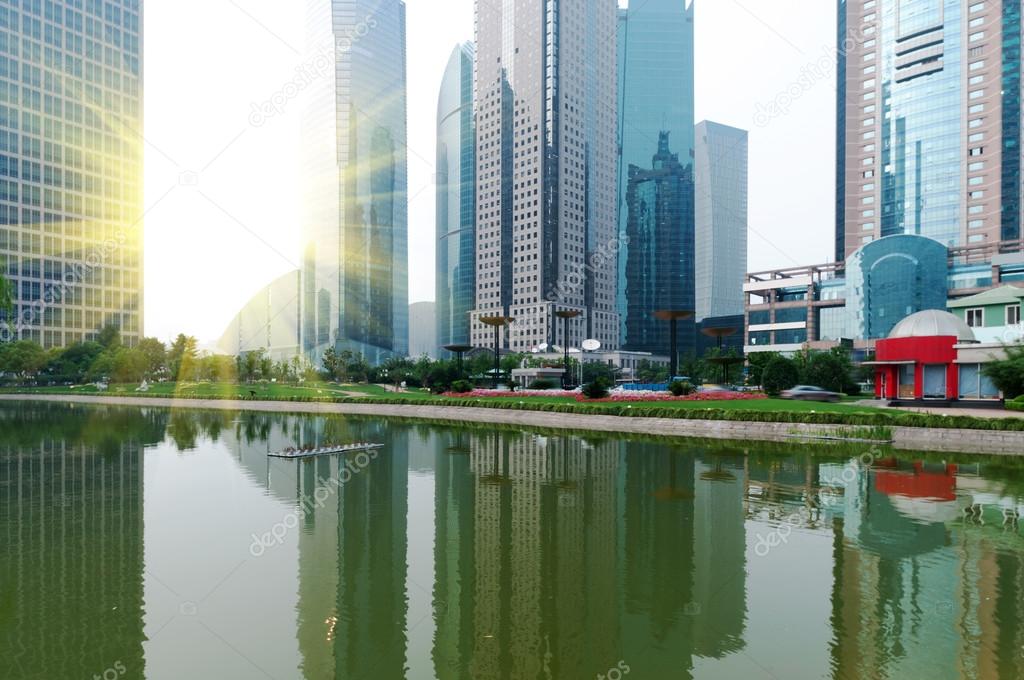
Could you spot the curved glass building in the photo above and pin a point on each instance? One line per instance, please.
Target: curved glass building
(456, 186)
(355, 268)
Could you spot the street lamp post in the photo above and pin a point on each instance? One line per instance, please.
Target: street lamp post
(498, 322)
(565, 315)
(673, 316)
(458, 351)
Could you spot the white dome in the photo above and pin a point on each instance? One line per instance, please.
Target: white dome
(931, 323)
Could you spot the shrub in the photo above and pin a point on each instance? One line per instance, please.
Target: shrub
(1008, 375)
(780, 374)
(462, 387)
(543, 384)
(680, 388)
(596, 390)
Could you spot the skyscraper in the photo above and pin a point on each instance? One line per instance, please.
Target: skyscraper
(655, 51)
(721, 209)
(929, 121)
(456, 200)
(546, 169)
(355, 269)
(71, 168)
(660, 260)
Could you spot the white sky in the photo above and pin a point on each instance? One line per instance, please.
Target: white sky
(222, 195)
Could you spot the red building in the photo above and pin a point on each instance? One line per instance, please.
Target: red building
(932, 356)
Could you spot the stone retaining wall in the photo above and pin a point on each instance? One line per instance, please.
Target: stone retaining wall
(908, 438)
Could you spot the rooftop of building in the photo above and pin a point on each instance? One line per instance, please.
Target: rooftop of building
(933, 323)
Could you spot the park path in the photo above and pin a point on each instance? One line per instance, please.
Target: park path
(973, 412)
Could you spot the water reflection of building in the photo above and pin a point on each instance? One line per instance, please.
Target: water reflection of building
(71, 526)
(352, 559)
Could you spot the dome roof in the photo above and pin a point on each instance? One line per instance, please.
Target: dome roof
(933, 323)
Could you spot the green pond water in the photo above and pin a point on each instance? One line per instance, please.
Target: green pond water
(145, 543)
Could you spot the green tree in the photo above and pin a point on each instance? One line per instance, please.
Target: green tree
(594, 370)
(831, 370)
(109, 336)
(156, 357)
(780, 374)
(758, 361)
(1008, 374)
(6, 300)
(182, 358)
(72, 363)
(649, 372)
(23, 359)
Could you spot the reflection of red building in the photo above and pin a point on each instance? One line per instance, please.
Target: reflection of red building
(920, 483)
(924, 358)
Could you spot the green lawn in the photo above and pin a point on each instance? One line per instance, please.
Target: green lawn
(331, 390)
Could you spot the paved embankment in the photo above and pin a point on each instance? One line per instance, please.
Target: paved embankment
(909, 438)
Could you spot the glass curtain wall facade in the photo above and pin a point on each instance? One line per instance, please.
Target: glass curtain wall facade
(721, 219)
(355, 268)
(456, 200)
(71, 169)
(929, 121)
(661, 252)
(546, 170)
(656, 93)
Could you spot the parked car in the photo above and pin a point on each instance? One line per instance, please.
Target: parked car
(811, 393)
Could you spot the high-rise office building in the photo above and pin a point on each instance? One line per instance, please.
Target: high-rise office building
(929, 121)
(71, 168)
(721, 208)
(660, 260)
(655, 53)
(546, 170)
(355, 269)
(456, 200)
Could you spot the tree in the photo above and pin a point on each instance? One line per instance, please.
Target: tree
(6, 298)
(23, 359)
(831, 370)
(73, 363)
(758, 361)
(109, 337)
(156, 356)
(649, 372)
(181, 359)
(593, 370)
(1008, 374)
(780, 374)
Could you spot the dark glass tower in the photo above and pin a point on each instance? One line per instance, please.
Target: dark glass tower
(660, 260)
(656, 63)
(456, 186)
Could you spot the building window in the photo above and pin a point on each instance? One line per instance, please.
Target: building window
(976, 318)
(1013, 315)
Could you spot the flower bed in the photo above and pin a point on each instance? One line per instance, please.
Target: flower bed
(481, 394)
(663, 396)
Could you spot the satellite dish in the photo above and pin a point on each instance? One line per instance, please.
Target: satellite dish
(556, 348)
(573, 350)
(591, 345)
(543, 347)
(535, 350)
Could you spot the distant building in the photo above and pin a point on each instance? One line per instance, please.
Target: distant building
(71, 166)
(456, 201)
(929, 121)
(423, 330)
(546, 180)
(721, 219)
(355, 264)
(857, 302)
(660, 260)
(269, 321)
(656, 94)
(993, 316)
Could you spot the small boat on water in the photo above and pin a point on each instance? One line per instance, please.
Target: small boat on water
(327, 450)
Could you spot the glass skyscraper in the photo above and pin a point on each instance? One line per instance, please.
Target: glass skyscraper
(456, 200)
(546, 170)
(71, 168)
(929, 121)
(661, 252)
(355, 269)
(655, 52)
(721, 222)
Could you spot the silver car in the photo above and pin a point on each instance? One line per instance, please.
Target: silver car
(811, 393)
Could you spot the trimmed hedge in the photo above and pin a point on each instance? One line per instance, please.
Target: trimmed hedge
(1016, 405)
(882, 419)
